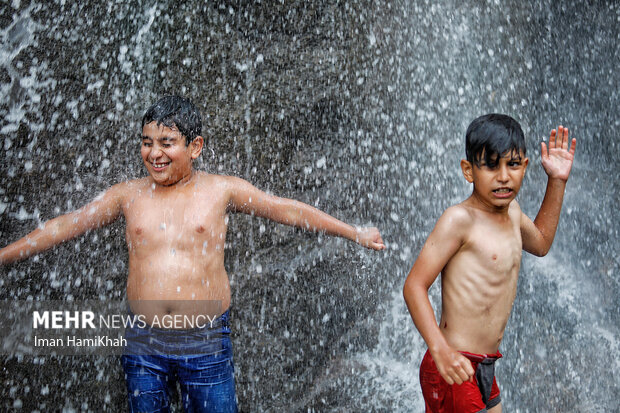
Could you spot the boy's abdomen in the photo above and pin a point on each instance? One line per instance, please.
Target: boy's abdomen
(169, 282)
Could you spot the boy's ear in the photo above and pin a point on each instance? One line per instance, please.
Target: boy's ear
(196, 146)
(467, 169)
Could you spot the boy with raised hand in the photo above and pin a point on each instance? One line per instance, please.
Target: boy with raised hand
(476, 246)
(176, 222)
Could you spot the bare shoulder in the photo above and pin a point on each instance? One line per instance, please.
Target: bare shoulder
(127, 188)
(233, 185)
(131, 185)
(116, 191)
(229, 180)
(227, 189)
(457, 218)
(452, 227)
(218, 182)
(514, 211)
(514, 207)
(127, 192)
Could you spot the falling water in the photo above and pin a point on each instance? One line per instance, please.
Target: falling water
(356, 107)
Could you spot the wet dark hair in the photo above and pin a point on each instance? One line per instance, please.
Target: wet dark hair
(492, 136)
(175, 111)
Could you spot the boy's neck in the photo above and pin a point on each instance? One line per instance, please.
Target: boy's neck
(186, 179)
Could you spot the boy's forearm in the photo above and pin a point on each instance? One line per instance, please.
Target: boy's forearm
(19, 250)
(310, 218)
(52, 233)
(549, 213)
(423, 316)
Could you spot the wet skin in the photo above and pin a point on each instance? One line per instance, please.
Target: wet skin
(476, 246)
(176, 223)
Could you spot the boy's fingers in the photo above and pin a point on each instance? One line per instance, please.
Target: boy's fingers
(463, 371)
(470, 370)
(552, 139)
(451, 377)
(572, 146)
(378, 246)
(565, 139)
(463, 376)
(543, 150)
(466, 367)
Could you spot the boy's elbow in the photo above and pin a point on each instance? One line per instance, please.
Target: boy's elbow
(539, 246)
(545, 247)
(409, 291)
(544, 252)
(540, 251)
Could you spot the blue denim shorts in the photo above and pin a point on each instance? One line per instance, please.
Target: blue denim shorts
(200, 360)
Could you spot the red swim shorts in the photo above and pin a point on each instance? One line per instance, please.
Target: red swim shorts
(441, 397)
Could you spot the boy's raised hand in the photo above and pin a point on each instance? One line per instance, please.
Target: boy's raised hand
(558, 160)
(369, 237)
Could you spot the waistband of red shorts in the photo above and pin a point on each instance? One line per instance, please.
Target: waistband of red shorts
(479, 358)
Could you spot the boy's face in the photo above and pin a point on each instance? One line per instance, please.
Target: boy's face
(166, 157)
(497, 186)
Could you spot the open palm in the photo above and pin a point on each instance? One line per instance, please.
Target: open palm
(558, 160)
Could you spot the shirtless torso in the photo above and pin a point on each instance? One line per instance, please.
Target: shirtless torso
(479, 282)
(476, 246)
(175, 240)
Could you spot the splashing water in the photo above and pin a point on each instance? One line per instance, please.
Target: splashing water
(356, 107)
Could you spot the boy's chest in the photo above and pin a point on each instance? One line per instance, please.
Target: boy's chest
(180, 220)
(499, 249)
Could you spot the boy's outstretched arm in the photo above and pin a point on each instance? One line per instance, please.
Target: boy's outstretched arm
(557, 160)
(250, 200)
(102, 211)
(442, 244)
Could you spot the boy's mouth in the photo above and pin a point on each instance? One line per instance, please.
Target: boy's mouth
(159, 166)
(502, 192)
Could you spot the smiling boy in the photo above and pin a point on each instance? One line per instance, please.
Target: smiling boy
(476, 246)
(176, 222)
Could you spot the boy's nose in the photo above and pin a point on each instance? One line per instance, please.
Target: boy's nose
(155, 152)
(502, 174)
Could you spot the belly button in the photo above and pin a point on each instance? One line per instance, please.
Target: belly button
(200, 229)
